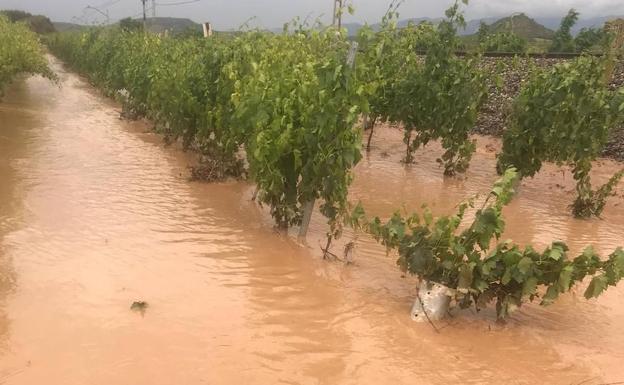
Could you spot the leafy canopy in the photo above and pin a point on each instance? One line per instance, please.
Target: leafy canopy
(563, 40)
(477, 265)
(564, 115)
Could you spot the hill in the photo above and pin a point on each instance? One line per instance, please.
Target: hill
(541, 28)
(523, 26)
(472, 26)
(354, 28)
(62, 27)
(172, 24)
(156, 25)
(38, 23)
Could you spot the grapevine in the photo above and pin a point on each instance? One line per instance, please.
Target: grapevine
(478, 272)
(289, 101)
(20, 52)
(564, 115)
(438, 98)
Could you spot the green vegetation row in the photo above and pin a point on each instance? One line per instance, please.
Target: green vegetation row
(562, 115)
(20, 52)
(565, 116)
(289, 101)
(284, 108)
(437, 97)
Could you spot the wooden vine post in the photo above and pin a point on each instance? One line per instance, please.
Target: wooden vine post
(615, 29)
(308, 207)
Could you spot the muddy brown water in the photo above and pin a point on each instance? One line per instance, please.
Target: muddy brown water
(96, 213)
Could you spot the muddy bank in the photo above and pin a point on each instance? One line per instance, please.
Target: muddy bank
(97, 214)
(516, 71)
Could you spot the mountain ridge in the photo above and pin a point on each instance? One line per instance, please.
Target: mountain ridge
(544, 26)
(472, 26)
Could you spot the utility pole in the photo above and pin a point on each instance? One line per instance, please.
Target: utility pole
(337, 21)
(153, 8)
(144, 16)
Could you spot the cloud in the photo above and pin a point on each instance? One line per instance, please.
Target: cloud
(545, 8)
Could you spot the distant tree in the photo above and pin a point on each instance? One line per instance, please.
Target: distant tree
(38, 24)
(130, 25)
(190, 32)
(15, 15)
(563, 40)
(589, 38)
(504, 42)
(41, 25)
(484, 31)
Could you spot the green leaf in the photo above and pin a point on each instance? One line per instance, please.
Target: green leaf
(480, 285)
(596, 287)
(465, 277)
(428, 217)
(551, 295)
(525, 265)
(565, 278)
(555, 253)
(530, 286)
(506, 277)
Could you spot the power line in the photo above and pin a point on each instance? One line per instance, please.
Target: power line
(137, 14)
(101, 9)
(133, 16)
(177, 3)
(147, 9)
(108, 4)
(144, 15)
(100, 12)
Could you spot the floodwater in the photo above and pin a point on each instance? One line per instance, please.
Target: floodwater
(95, 213)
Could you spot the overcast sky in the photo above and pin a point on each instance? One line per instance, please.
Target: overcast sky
(225, 14)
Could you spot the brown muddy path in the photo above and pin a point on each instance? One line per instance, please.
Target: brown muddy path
(95, 213)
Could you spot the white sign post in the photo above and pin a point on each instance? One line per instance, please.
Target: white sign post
(207, 29)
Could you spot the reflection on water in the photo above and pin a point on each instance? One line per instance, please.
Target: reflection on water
(16, 140)
(97, 214)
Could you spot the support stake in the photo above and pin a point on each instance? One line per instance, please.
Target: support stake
(308, 208)
(616, 29)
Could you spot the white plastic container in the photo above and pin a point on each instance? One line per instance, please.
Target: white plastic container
(435, 299)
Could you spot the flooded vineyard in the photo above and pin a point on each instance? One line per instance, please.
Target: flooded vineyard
(96, 213)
